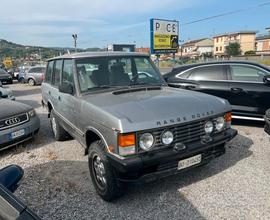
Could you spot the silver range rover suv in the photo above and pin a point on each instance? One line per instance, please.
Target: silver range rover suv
(133, 127)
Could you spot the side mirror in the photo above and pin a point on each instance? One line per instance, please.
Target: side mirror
(66, 88)
(266, 79)
(10, 177)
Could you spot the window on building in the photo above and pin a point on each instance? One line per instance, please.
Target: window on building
(216, 48)
(220, 48)
(217, 39)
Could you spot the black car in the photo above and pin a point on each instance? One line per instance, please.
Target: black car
(246, 85)
(10, 206)
(5, 77)
(267, 122)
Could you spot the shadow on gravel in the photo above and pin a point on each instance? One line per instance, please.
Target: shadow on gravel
(25, 92)
(63, 190)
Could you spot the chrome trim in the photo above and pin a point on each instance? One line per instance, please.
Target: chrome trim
(248, 118)
(228, 80)
(14, 125)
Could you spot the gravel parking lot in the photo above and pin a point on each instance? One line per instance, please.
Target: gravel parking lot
(57, 184)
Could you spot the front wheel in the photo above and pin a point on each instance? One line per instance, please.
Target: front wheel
(102, 173)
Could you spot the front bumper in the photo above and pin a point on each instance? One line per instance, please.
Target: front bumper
(267, 125)
(30, 128)
(154, 165)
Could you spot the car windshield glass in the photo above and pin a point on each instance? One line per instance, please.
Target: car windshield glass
(116, 72)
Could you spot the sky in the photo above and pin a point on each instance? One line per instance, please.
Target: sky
(101, 22)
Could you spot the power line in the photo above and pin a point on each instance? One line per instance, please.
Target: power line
(227, 13)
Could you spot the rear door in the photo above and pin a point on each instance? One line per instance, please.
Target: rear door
(248, 93)
(210, 79)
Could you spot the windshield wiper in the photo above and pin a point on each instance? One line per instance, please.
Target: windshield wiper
(146, 84)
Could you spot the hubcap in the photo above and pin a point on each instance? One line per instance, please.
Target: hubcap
(54, 126)
(31, 82)
(99, 171)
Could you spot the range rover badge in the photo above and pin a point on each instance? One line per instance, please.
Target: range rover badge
(179, 146)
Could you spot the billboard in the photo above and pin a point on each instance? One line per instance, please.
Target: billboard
(164, 36)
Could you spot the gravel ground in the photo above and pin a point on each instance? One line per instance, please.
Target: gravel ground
(57, 185)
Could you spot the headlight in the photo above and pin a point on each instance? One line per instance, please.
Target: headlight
(219, 123)
(32, 113)
(167, 137)
(146, 141)
(209, 127)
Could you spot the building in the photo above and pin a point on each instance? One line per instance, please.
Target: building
(196, 48)
(143, 49)
(122, 47)
(263, 43)
(246, 39)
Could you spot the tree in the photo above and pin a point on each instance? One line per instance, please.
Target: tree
(250, 53)
(233, 49)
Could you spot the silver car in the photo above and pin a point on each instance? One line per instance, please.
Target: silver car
(35, 75)
(132, 125)
(18, 123)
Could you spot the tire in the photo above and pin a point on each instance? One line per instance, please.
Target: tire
(59, 133)
(11, 82)
(111, 189)
(31, 82)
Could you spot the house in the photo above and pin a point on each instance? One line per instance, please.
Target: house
(196, 48)
(246, 39)
(263, 43)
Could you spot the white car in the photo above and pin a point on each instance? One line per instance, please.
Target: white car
(6, 93)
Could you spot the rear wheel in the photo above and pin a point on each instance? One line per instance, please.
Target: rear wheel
(102, 173)
(31, 82)
(59, 133)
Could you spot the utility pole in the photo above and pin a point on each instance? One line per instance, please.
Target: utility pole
(75, 37)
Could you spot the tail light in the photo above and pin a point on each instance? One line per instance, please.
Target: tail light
(42, 77)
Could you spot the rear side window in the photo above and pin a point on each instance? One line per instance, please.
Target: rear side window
(48, 76)
(207, 73)
(67, 75)
(57, 72)
(247, 73)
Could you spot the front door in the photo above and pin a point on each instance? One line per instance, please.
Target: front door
(248, 93)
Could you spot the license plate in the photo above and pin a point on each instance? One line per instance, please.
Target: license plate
(17, 134)
(182, 164)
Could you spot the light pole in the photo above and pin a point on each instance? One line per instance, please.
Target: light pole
(75, 37)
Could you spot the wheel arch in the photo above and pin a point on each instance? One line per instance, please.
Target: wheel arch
(92, 135)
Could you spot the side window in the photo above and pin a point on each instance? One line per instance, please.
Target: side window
(247, 73)
(48, 76)
(185, 74)
(57, 72)
(207, 73)
(67, 75)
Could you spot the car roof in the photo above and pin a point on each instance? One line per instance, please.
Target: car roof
(187, 66)
(98, 54)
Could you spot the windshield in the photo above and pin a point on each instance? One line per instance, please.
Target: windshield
(109, 72)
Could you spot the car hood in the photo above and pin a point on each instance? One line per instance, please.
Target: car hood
(10, 108)
(148, 109)
(4, 76)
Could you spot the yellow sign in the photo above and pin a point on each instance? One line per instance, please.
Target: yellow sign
(164, 36)
(8, 62)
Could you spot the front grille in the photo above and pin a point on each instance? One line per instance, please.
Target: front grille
(182, 133)
(13, 121)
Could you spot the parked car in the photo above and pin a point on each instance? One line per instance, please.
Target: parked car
(35, 75)
(133, 127)
(267, 122)
(18, 123)
(246, 85)
(10, 206)
(22, 73)
(5, 77)
(6, 93)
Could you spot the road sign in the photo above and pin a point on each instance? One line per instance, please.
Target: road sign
(164, 36)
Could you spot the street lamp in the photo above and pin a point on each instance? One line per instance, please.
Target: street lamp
(75, 37)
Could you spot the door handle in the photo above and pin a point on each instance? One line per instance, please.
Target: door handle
(191, 87)
(59, 98)
(49, 92)
(237, 90)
